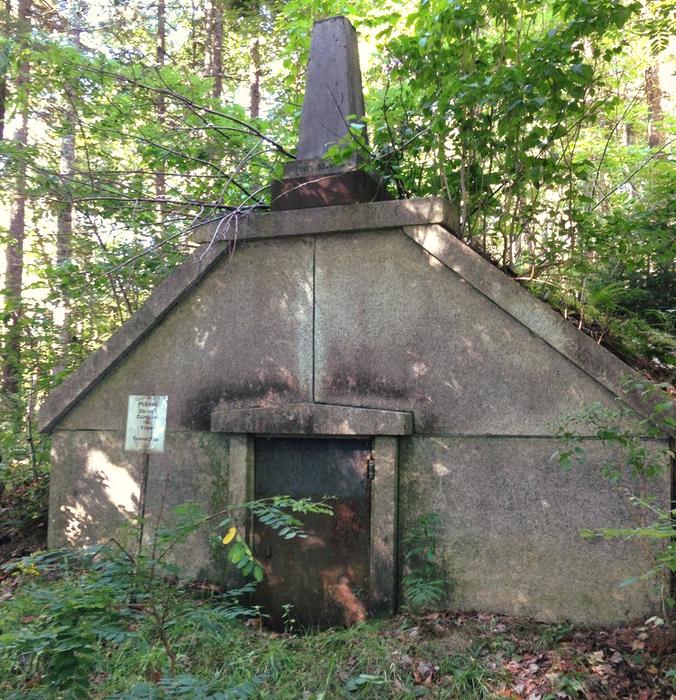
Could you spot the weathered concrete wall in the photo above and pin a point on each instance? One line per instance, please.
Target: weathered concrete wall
(95, 486)
(511, 521)
(244, 335)
(396, 329)
(371, 320)
(393, 329)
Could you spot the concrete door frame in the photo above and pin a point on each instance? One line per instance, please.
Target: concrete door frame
(383, 535)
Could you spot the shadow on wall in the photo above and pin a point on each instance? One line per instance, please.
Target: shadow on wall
(254, 350)
(242, 338)
(243, 334)
(95, 491)
(101, 488)
(395, 329)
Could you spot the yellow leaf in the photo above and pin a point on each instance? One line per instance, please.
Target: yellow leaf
(230, 535)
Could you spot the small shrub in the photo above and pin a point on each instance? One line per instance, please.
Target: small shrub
(423, 583)
(661, 528)
(468, 677)
(71, 604)
(51, 630)
(644, 461)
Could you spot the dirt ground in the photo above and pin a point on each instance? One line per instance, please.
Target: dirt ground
(536, 660)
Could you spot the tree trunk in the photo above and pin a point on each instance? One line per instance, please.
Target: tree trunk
(197, 27)
(72, 11)
(13, 312)
(3, 103)
(64, 242)
(255, 81)
(160, 56)
(653, 94)
(217, 48)
(3, 80)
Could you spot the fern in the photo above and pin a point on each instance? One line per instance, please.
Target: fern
(424, 583)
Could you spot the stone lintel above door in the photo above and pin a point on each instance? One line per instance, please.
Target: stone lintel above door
(312, 419)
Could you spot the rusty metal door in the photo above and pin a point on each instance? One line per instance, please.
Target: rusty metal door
(324, 577)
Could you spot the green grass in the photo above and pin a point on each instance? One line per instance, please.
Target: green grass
(364, 661)
(70, 636)
(215, 658)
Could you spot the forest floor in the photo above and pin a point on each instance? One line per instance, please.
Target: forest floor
(450, 654)
(23, 518)
(459, 655)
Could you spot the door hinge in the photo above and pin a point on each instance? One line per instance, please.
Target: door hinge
(371, 468)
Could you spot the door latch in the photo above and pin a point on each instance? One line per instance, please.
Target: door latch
(371, 468)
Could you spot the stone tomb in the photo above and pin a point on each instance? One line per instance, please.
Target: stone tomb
(363, 351)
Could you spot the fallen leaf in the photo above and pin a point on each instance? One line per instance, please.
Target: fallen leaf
(616, 658)
(655, 621)
(596, 657)
(603, 668)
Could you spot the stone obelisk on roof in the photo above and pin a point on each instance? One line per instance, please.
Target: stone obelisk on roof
(333, 99)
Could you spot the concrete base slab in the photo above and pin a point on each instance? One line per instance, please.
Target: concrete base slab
(351, 187)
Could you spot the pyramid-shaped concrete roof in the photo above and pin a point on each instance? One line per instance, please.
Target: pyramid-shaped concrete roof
(430, 222)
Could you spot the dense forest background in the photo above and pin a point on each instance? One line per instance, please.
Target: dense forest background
(125, 122)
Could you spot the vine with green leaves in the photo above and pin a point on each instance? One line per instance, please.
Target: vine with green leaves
(638, 454)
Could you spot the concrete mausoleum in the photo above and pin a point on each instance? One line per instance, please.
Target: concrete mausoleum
(362, 351)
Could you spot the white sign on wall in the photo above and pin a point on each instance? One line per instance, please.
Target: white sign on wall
(146, 423)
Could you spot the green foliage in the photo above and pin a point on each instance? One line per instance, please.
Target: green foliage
(188, 687)
(469, 677)
(59, 642)
(497, 89)
(363, 680)
(624, 433)
(660, 531)
(463, 656)
(423, 583)
(24, 503)
(273, 513)
(516, 113)
(530, 116)
(80, 601)
(288, 619)
(24, 478)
